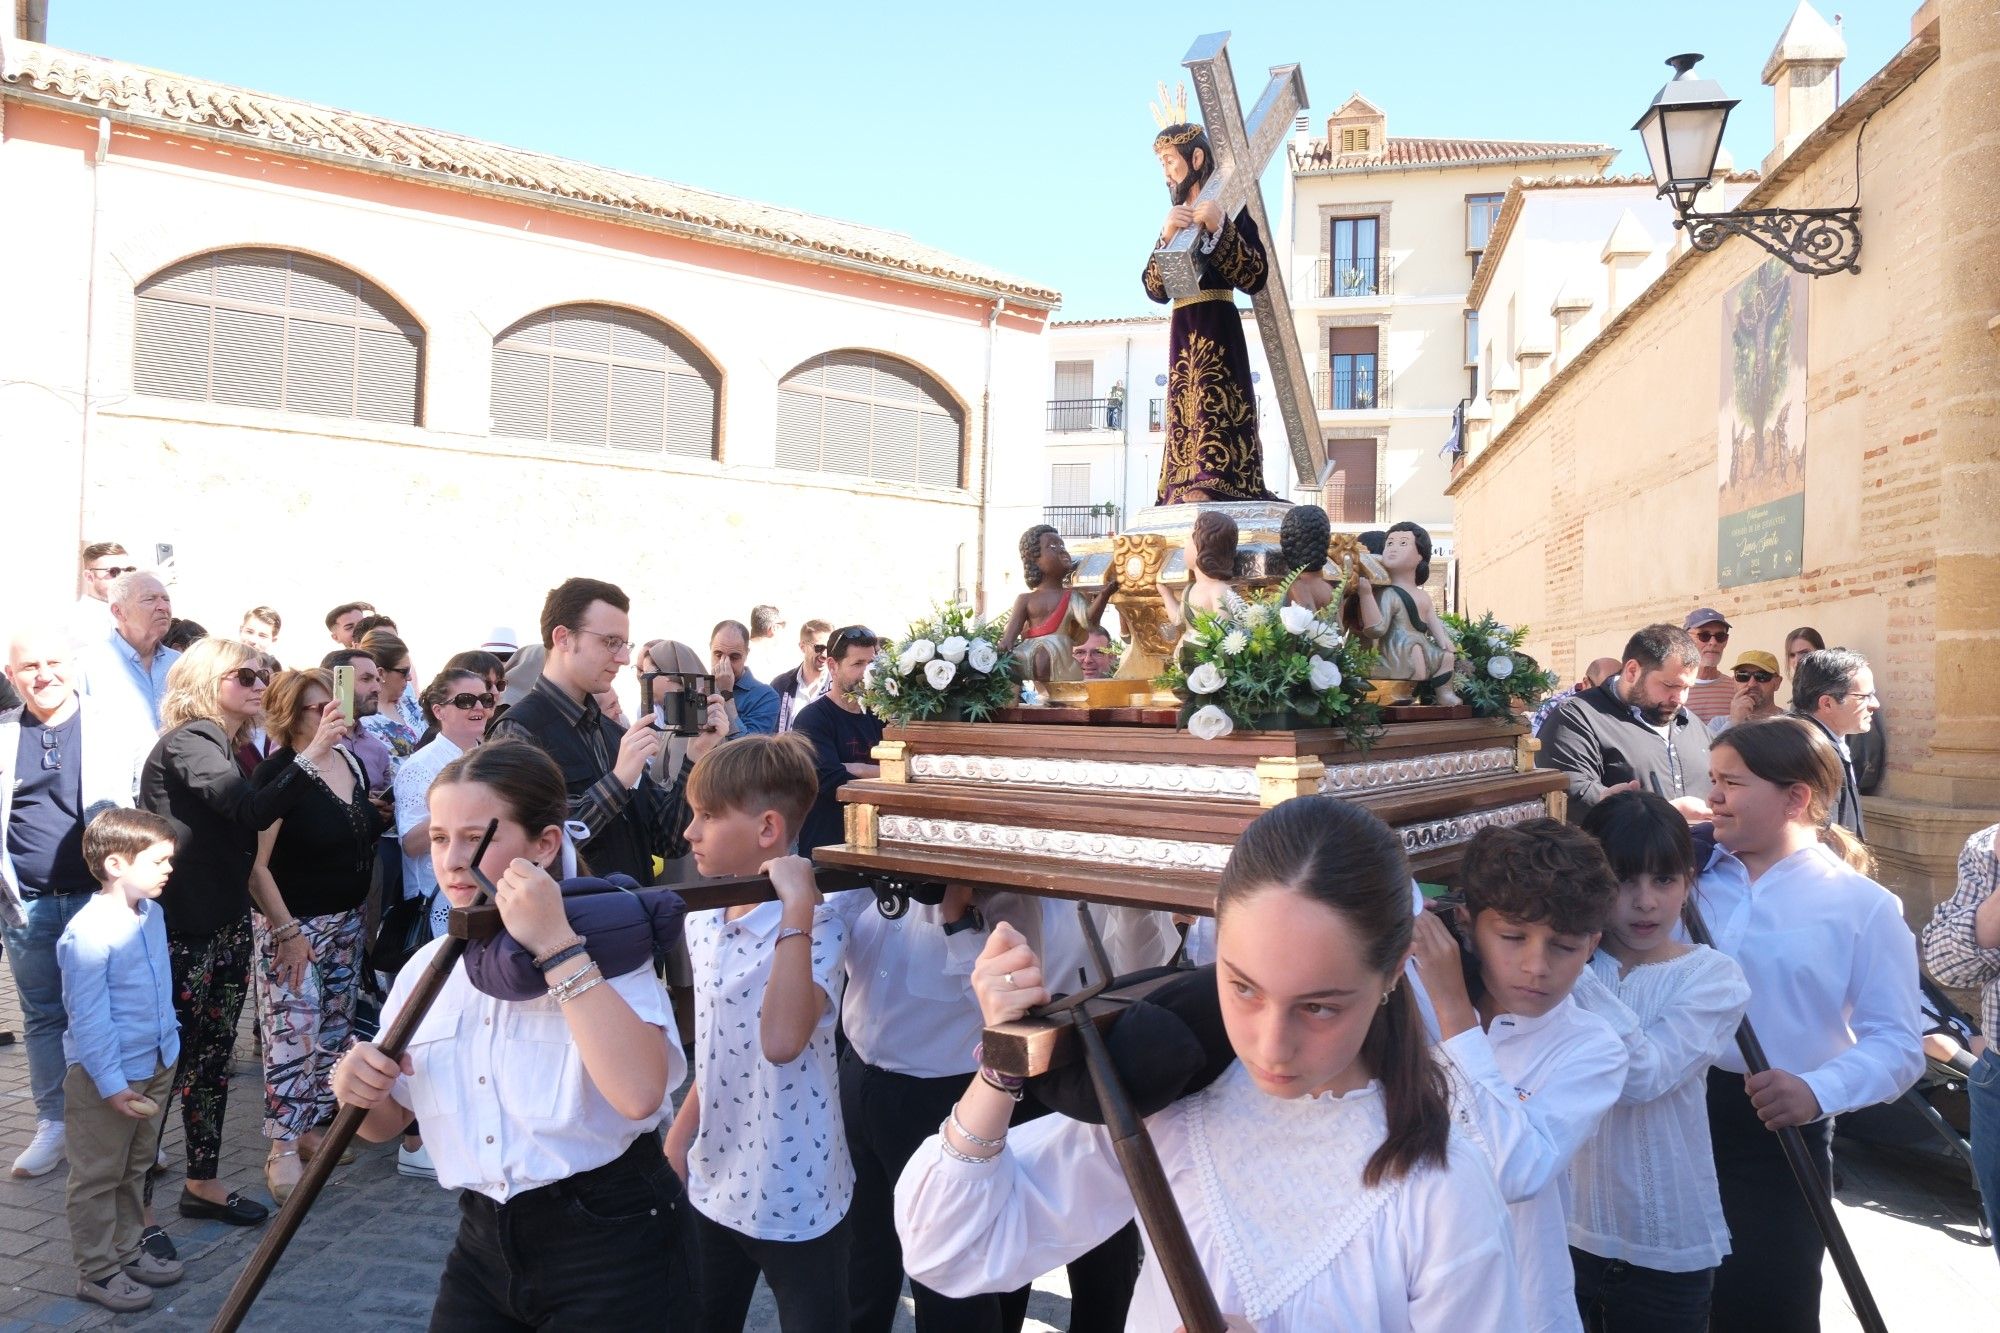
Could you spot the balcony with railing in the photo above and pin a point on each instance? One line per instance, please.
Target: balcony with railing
(1070, 416)
(1099, 520)
(1365, 505)
(1335, 279)
(1356, 390)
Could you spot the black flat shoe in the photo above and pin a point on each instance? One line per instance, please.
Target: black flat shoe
(238, 1212)
(158, 1243)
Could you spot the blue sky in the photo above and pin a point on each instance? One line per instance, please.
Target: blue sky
(1013, 134)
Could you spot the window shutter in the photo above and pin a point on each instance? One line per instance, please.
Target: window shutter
(1069, 484)
(801, 427)
(1074, 380)
(690, 416)
(277, 330)
(865, 415)
(938, 463)
(596, 377)
(520, 394)
(1351, 342)
(847, 428)
(638, 410)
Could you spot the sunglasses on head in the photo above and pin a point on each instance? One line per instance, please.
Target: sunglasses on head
(465, 703)
(1744, 675)
(115, 571)
(1712, 635)
(248, 676)
(859, 635)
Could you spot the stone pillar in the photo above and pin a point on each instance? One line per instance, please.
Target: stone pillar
(1966, 744)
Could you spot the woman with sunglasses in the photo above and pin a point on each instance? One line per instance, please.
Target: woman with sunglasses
(215, 692)
(491, 670)
(307, 887)
(459, 702)
(398, 721)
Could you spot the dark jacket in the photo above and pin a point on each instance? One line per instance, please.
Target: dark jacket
(1846, 810)
(1595, 739)
(193, 779)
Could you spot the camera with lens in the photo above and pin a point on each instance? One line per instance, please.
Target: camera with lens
(677, 701)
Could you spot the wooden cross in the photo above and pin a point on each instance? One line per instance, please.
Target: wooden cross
(1241, 152)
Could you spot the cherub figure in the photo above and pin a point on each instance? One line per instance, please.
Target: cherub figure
(1399, 617)
(1211, 563)
(1303, 541)
(1050, 619)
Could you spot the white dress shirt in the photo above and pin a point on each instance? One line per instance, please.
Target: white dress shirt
(1643, 1188)
(1538, 1087)
(909, 1006)
(1272, 1193)
(770, 1157)
(1832, 969)
(500, 1087)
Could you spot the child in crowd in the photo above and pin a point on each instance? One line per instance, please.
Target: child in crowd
(1540, 1072)
(759, 1137)
(1646, 1229)
(544, 1113)
(1319, 1177)
(122, 1043)
(1833, 997)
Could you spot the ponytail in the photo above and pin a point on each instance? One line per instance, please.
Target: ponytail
(1413, 1090)
(1842, 843)
(1791, 751)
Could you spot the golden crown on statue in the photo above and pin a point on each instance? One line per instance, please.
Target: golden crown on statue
(1171, 110)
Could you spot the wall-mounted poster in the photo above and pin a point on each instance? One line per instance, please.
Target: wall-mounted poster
(1762, 434)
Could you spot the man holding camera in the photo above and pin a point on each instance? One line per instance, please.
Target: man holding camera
(586, 630)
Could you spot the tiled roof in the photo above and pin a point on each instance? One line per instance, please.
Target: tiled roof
(1399, 153)
(1102, 323)
(176, 101)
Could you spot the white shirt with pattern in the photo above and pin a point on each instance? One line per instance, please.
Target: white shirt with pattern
(770, 1159)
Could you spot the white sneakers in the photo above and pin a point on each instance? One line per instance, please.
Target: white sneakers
(44, 1153)
(415, 1162)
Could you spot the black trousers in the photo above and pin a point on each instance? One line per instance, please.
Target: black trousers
(1770, 1280)
(606, 1249)
(808, 1278)
(888, 1116)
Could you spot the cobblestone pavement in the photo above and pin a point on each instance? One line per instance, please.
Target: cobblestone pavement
(369, 1255)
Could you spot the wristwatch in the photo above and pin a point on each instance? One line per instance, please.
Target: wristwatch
(972, 920)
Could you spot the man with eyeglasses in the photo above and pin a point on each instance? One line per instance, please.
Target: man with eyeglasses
(1756, 698)
(1713, 690)
(800, 685)
(59, 757)
(586, 632)
(1834, 689)
(102, 562)
(127, 668)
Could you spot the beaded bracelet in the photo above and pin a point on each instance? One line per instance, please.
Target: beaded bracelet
(291, 930)
(944, 1142)
(568, 948)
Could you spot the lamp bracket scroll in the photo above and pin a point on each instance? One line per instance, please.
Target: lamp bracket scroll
(1818, 242)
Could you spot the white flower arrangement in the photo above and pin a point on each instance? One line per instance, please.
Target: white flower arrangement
(981, 656)
(1206, 679)
(939, 672)
(952, 649)
(1323, 674)
(1210, 723)
(1234, 642)
(919, 651)
(1500, 667)
(963, 677)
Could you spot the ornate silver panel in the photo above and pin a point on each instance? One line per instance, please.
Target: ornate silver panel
(1216, 780)
(1386, 774)
(1449, 832)
(1065, 844)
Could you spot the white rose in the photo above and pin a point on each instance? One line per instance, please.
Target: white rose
(1325, 675)
(1499, 645)
(1327, 636)
(981, 657)
(920, 651)
(891, 687)
(1206, 679)
(1500, 668)
(908, 664)
(1210, 723)
(1296, 619)
(939, 673)
(952, 649)
(1235, 642)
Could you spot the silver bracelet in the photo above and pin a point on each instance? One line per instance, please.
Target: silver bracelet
(944, 1142)
(968, 1135)
(564, 997)
(570, 985)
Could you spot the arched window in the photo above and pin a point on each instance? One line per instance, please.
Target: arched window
(608, 378)
(867, 415)
(279, 330)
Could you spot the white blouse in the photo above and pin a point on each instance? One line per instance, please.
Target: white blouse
(1832, 968)
(500, 1087)
(1271, 1191)
(1643, 1189)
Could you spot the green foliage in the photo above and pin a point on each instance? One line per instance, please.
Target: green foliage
(1259, 657)
(1493, 675)
(902, 686)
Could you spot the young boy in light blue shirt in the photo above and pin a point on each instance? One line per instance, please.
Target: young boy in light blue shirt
(121, 1046)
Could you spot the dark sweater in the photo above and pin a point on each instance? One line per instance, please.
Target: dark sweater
(1594, 738)
(839, 738)
(325, 850)
(192, 778)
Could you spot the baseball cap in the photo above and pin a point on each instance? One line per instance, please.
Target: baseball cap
(1757, 660)
(1704, 615)
(501, 639)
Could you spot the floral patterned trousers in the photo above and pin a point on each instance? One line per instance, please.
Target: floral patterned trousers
(306, 1028)
(209, 976)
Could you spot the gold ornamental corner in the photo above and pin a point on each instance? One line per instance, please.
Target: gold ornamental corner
(1281, 777)
(1558, 804)
(858, 820)
(1525, 749)
(1137, 558)
(894, 757)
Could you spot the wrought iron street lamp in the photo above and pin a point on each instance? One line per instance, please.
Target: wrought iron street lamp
(1682, 131)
